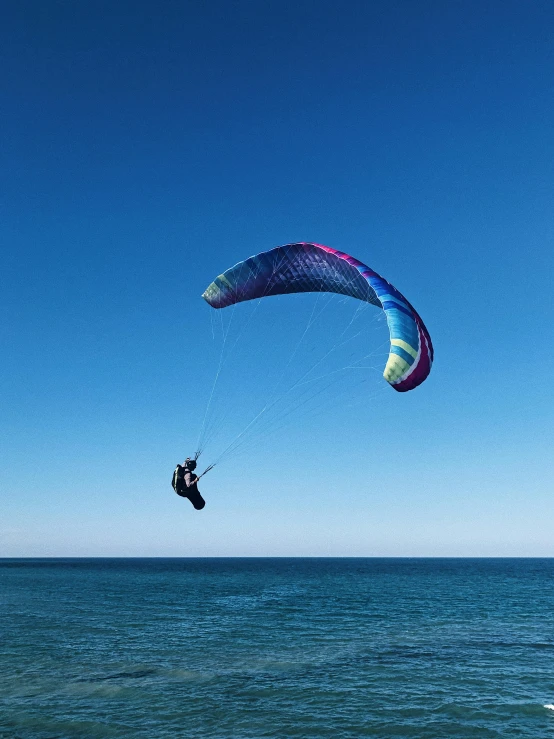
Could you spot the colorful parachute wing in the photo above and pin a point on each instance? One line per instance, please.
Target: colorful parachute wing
(305, 267)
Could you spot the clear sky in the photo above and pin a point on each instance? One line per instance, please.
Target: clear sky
(145, 147)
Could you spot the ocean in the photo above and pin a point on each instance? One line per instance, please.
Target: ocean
(311, 648)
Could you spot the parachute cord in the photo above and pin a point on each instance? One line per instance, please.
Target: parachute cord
(206, 430)
(296, 348)
(215, 381)
(268, 406)
(301, 381)
(209, 432)
(208, 468)
(343, 281)
(347, 366)
(282, 420)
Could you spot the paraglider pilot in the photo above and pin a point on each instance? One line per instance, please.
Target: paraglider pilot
(185, 483)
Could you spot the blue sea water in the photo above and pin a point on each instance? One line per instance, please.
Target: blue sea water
(315, 648)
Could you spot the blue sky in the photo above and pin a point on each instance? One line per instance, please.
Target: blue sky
(146, 147)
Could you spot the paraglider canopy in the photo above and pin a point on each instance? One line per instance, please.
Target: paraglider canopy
(307, 267)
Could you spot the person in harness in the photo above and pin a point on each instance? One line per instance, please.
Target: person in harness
(185, 483)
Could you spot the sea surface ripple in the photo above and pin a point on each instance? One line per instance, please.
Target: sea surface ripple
(253, 648)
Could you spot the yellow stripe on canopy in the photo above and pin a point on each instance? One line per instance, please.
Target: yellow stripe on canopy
(405, 346)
